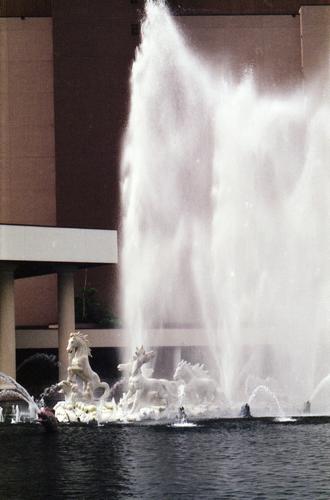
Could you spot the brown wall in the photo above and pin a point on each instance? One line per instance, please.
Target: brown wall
(315, 37)
(36, 301)
(269, 45)
(240, 7)
(27, 119)
(43, 8)
(27, 153)
(28, 8)
(93, 51)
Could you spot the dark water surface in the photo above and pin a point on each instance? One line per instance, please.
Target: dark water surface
(219, 460)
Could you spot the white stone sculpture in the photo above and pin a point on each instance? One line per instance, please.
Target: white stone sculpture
(146, 397)
(140, 358)
(199, 387)
(144, 391)
(131, 370)
(79, 370)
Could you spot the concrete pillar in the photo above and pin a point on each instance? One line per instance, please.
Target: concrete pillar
(66, 317)
(7, 322)
(176, 356)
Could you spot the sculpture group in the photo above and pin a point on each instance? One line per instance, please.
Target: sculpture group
(191, 392)
(87, 397)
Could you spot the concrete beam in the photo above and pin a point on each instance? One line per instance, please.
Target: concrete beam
(57, 244)
(174, 337)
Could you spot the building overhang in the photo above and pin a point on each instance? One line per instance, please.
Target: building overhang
(38, 250)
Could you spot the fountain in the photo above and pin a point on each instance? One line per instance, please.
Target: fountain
(225, 209)
(225, 205)
(13, 396)
(269, 402)
(190, 393)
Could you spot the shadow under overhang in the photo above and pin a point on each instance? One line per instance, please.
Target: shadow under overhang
(30, 269)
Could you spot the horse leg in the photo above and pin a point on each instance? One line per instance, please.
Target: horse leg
(137, 397)
(70, 375)
(88, 391)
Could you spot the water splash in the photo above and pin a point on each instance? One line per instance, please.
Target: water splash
(266, 395)
(181, 395)
(320, 398)
(16, 414)
(10, 390)
(226, 214)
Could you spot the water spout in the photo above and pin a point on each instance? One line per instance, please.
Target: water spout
(226, 206)
(263, 405)
(16, 414)
(320, 398)
(10, 390)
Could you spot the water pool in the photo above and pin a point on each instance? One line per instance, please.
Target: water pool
(217, 459)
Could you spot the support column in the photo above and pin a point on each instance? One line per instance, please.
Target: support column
(7, 322)
(66, 317)
(176, 356)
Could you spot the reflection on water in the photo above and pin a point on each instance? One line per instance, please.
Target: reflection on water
(215, 460)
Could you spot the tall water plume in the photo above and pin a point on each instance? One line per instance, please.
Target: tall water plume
(226, 215)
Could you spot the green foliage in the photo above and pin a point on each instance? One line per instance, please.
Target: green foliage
(89, 309)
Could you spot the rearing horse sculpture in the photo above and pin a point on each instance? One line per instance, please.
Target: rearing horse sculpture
(79, 351)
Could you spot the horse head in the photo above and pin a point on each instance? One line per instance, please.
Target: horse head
(181, 370)
(78, 342)
(140, 358)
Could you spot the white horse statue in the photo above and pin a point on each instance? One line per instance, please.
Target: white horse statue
(79, 368)
(199, 387)
(145, 391)
(140, 357)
